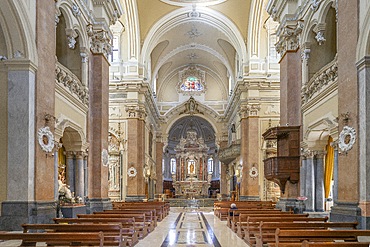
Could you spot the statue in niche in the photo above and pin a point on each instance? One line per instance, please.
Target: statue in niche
(191, 167)
(191, 107)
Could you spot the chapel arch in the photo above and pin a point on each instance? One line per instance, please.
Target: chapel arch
(68, 47)
(73, 152)
(323, 43)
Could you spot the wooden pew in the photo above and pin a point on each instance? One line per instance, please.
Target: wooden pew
(267, 230)
(234, 219)
(150, 214)
(113, 233)
(244, 220)
(232, 215)
(162, 210)
(285, 238)
(140, 223)
(221, 208)
(253, 222)
(128, 225)
(335, 244)
(57, 238)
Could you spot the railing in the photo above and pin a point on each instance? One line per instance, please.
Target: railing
(226, 155)
(69, 81)
(320, 80)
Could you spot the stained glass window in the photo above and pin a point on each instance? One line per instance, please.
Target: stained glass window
(191, 83)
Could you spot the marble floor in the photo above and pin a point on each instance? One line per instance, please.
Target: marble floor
(185, 228)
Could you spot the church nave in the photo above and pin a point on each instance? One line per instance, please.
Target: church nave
(188, 227)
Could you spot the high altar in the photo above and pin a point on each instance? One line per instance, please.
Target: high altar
(191, 178)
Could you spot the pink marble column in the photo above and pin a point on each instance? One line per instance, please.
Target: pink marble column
(159, 169)
(249, 189)
(45, 96)
(136, 157)
(98, 126)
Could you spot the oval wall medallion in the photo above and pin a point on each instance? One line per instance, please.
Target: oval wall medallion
(131, 172)
(347, 138)
(46, 139)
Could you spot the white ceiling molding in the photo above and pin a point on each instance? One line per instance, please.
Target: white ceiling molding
(209, 16)
(192, 46)
(197, 2)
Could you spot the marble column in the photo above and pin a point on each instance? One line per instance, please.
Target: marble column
(80, 175)
(319, 182)
(86, 178)
(335, 176)
(159, 168)
(70, 170)
(302, 177)
(310, 182)
(363, 68)
(223, 181)
(98, 129)
(249, 188)
(56, 184)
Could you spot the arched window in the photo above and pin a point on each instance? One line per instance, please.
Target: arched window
(173, 165)
(210, 165)
(191, 83)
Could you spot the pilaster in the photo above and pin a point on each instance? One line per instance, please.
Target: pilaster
(363, 71)
(136, 152)
(249, 150)
(98, 126)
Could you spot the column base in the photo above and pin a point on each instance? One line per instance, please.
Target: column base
(291, 204)
(98, 204)
(346, 211)
(16, 213)
(135, 198)
(249, 198)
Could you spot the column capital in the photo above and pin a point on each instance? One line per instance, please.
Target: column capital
(320, 154)
(249, 110)
(80, 155)
(99, 41)
(135, 111)
(307, 154)
(289, 37)
(70, 154)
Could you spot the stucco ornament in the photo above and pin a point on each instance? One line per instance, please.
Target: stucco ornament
(46, 139)
(347, 138)
(253, 172)
(131, 172)
(104, 157)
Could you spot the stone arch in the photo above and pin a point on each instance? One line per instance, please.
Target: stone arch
(209, 115)
(363, 45)
(18, 32)
(213, 17)
(317, 134)
(75, 136)
(319, 41)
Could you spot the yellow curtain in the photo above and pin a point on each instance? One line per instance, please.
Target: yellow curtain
(329, 167)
